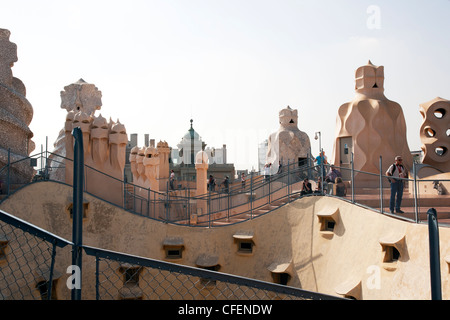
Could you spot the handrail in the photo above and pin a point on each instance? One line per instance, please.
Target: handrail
(258, 193)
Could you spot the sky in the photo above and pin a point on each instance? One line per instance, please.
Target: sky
(230, 65)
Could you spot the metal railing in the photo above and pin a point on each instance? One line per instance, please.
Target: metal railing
(259, 195)
(36, 264)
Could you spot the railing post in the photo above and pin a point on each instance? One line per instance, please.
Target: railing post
(46, 159)
(8, 174)
(416, 209)
(353, 180)
(134, 198)
(288, 181)
(228, 204)
(435, 269)
(77, 213)
(251, 194)
(321, 171)
(381, 185)
(124, 195)
(188, 205)
(97, 276)
(52, 268)
(148, 202)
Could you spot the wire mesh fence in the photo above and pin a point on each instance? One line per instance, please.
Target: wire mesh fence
(36, 265)
(120, 276)
(29, 267)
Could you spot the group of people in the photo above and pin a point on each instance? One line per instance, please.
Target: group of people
(396, 173)
(332, 178)
(212, 184)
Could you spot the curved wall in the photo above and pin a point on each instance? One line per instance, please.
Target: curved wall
(346, 261)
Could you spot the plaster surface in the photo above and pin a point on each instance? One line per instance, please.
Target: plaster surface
(349, 260)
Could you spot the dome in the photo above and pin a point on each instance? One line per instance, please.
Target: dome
(191, 134)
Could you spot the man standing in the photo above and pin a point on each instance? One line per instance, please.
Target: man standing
(398, 172)
(319, 159)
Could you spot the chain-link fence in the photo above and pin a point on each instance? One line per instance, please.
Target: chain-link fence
(121, 276)
(35, 264)
(31, 260)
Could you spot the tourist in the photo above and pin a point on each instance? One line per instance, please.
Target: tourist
(319, 162)
(226, 184)
(341, 189)
(211, 183)
(306, 187)
(318, 185)
(280, 168)
(267, 171)
(330, 178)
(332, 174)
(398, 172)
(243, 180)
(172, 179)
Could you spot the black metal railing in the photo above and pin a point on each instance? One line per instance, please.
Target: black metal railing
(259, 195)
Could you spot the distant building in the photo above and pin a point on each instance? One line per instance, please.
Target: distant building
(182, 159)
(262, 154)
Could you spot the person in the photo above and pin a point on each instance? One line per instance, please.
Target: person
(398, 172)
(211, 183)
(319, 161)
(280, 167)
(267, 171)
(243, 180)
(333, 174)
(318, 185)
(226, 184)
(330, 178)
(306, 188)
(172, 179)
(341, 189)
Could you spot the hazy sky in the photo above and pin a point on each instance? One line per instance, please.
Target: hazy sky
(229, 65)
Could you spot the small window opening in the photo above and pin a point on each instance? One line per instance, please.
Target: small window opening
(174, 252)
(447, 132)
(330, 225)
(131, 276)
(391, 254)
(327, 224)
(209, 282)
(292, 121)
(245, 246)
(43, 287)
(130, 289)
(281, 278)
(302, 161)
(375, 86)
